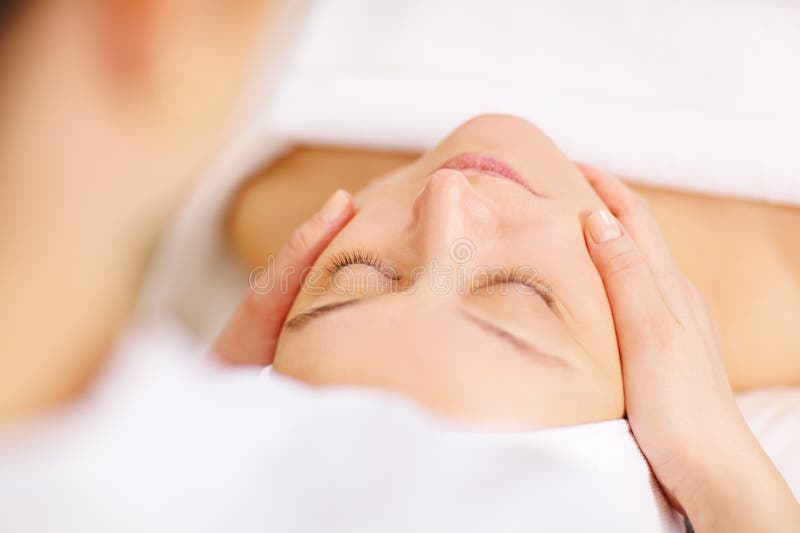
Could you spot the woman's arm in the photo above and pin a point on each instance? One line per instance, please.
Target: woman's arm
(677, 395)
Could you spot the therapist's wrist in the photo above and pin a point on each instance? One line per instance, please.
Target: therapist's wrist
(732, 485)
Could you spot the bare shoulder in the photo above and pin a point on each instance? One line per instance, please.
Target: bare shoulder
(745, 259)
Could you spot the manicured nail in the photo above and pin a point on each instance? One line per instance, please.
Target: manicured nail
(335, 206)
(603, 227)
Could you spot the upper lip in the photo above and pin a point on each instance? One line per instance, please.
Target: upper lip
(487, 165)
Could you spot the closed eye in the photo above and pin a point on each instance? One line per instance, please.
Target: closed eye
(524, 280)
(493, 280)
(359, 256)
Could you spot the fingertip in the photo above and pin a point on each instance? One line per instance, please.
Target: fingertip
(320, 228)
(337, 207)
(602, 227)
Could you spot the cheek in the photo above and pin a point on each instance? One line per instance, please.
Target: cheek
(597, 332)
(563, 255)
(573, 186)
(592, 313)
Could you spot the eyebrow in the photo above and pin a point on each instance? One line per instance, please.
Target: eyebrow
(543, 291)
(302, 318)
(498, 331)
(512, 338)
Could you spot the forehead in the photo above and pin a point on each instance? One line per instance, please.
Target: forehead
(433, 322)
(415, 323)
(430, 353)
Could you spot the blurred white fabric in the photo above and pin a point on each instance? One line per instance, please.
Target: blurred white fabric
(167, 441)
(170, 442)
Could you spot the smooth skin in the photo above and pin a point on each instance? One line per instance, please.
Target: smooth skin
(485, 350)
(743, 256)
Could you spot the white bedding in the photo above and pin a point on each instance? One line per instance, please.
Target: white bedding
(171, 443)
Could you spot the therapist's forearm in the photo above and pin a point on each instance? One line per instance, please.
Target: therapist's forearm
(66, 288)
(737, 488)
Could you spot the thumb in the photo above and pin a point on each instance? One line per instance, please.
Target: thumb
(636, 302)
(251, 335)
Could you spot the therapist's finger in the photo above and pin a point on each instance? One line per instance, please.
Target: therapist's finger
(636, 217)
(642, 317)
(251, 335)
(632, 211)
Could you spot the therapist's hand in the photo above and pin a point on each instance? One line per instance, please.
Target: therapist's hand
(677, 395)
(251, 335)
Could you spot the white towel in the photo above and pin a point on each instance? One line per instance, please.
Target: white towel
(171, 443)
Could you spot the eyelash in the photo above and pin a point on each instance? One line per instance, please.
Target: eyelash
(514, 276)
(360, 257)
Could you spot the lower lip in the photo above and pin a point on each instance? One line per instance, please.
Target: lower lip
(487, 165)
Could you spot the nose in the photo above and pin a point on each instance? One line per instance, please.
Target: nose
(451, 216)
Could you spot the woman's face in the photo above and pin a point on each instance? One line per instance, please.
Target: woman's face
(464, 282)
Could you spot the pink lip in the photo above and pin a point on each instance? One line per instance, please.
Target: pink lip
(487, 165)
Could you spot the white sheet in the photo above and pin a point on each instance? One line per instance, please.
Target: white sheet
(167, 441)
(171, 443)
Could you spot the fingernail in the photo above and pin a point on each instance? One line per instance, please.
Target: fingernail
(603, 227)
(335, 206)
